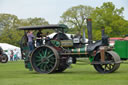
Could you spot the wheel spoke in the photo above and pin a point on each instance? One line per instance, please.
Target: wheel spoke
(52, 62)
(49, 52)
(110, 66)
(51, 65)
(50, 55)
(38, 57)
(105, 66)
(39, 64)
(42, 52)
(38, 60)
(45, 67)
(45, 53)
(52, 58)
(41, 55)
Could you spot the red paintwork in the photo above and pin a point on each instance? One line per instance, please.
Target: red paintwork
(58, 48)
(126, 38)
(112, 40)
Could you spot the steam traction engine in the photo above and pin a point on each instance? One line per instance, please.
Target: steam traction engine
(55, 56)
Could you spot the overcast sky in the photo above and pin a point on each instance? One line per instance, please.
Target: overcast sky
(51, 10)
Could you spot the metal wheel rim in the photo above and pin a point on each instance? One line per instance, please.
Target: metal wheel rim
(107, 68)
(45, 59)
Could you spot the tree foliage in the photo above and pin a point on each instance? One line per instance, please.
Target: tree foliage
(111, 18)
(75, 17)
(9, 24)
(107, 16)
(8, 21)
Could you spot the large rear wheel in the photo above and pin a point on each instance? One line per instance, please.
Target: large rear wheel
(45, 59)
(113, 62)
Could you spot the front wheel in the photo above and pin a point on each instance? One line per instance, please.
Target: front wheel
(111, 57)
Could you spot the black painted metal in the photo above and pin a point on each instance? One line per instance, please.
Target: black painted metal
(103, 31)
(111, 64)
(89, 27)
(55, 26)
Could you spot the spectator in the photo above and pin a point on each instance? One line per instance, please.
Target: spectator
(30, 40)
(15, 57)
(11, 56)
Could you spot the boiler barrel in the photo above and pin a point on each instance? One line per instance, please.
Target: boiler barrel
(79, 50)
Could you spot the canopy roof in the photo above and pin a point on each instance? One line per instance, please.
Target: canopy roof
(55, 26)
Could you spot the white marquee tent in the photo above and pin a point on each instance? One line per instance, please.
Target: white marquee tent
(7, 48)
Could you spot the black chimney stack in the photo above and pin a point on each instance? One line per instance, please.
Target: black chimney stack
(103, 31)
(89, 27)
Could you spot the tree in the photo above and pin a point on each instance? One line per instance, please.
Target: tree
(8, 21)
(9, 24)
(34, 22)
(75, 17)
(37, 21)
(111, 18)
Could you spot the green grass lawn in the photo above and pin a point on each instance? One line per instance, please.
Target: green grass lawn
(14, 73)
